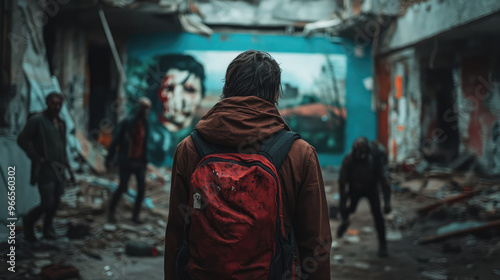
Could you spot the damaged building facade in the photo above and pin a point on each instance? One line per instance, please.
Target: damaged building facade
(435, 78)
(102, 61)
(419, 76)
(443, 100)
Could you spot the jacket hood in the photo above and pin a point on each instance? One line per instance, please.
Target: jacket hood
(238, 121)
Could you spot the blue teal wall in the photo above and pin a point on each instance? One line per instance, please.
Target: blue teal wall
(360, 121)
(144, 46)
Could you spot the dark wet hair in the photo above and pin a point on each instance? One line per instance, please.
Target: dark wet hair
(361, 142)
(253, 73)
(53, 95)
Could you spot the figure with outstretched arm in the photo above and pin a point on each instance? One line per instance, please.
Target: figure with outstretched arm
(361, 173)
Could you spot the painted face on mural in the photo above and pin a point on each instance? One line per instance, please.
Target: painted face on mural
(180, 93)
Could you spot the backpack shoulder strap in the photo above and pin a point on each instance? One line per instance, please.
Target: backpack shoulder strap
(204, 147)
(276, 147)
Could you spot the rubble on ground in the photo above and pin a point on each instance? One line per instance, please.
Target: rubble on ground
(446, 219)
(86, 244)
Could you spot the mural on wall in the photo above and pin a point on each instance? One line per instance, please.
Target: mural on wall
(184, 86)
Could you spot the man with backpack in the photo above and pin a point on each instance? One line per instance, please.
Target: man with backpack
(362, 171)
(247, 195)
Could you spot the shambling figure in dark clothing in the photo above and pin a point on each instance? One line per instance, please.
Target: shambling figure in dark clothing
(131, 140)
(363, 170)
(44, 141)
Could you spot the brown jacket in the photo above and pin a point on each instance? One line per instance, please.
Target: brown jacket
(237, 121)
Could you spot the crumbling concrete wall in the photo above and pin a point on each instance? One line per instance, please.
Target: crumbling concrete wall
(422, 20)
(478, 109)
(24, 39)
(416, 127)
(382, 7)
(264, 13)
(403, 105)
(70, 64)
(472, 123)
(31, 81)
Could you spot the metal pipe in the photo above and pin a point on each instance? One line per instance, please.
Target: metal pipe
(112, 45)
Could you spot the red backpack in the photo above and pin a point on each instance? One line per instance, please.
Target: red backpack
(234, 220)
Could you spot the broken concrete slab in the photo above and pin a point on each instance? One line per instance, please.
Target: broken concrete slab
(60, 272)
(434, 274)
(448, 201)
(457, 226)
(361, 265)
(392, 235)
(78, 230)
(452, 246)
(462, 229)
(91, 253)
(109, 227)
(338, 258)
(140, 249)
(351, 239)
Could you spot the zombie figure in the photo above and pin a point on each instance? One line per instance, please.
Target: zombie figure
(362, 172)
(131, 140)
(44, 141)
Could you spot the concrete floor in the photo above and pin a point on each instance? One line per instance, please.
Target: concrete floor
(352, 257)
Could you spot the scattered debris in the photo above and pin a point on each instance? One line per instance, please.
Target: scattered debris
(493, 249)
(109, 227)
(458, 226)
(43, 262)
(452, 247)
(335, 245)
(472, 228)
(128, 228)
(338, 258)
(367, 230)
(352, 239)
(434, 274)
(361, 265)
(447, 201)
(91, 254)
(470, 240)
(401, 219)
(41, 255)
(60, 272)
(141, 249)
(352, 232)
(393, 235)
(162, 223)
(422, 258)
(78, 230)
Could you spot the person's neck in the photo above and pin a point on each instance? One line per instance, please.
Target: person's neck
(139, 118)
(51, 117)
